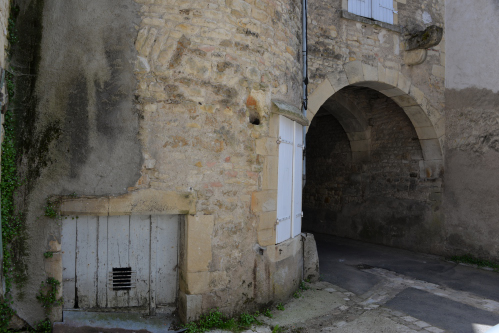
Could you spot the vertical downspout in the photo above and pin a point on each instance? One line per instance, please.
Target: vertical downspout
(305, 81)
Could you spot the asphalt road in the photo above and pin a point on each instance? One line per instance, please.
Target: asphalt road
(347, 263)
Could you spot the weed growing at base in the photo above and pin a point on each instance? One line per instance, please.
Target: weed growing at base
(469, 259)
(216, 320)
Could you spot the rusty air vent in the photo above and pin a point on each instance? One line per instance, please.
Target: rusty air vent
(122, 278)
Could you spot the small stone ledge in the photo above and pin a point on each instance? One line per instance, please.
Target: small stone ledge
(349, 16)
(150, 202)
(289, 111)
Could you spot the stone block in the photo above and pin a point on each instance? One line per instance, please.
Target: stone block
(360, 145)
(267, 237)
(417, 116)
(266, 146)
(425, 133)
(53, 267)
(190, 307)
(319, 96)
(274, 126)
(370, 72)
(270, 170)
(438, 71)
(354, 71)
(360, 156)
(310, 259)
(356, 136)
(416, 57)
(85, 206)
(404, 100)
(404, 83)
(431, 149)
(417, 94)
(284, 250)
(264, 201)
(199, 232)
(392, 77)
(379, 86)
(151, 202)
(338, 80)
(393, 92)
(381, 73)
(267, 220)
(197, 283)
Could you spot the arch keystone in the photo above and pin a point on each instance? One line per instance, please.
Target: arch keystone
(355, 71)
(370, 72)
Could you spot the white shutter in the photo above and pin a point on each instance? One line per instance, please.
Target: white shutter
(297, 180)
(383, 10)
(285, 179)
(360, 7)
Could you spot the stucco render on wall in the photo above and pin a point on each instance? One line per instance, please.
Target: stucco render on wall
(78, 125)
(472, 152)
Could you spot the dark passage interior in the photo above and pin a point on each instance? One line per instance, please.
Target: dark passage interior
(364, 174)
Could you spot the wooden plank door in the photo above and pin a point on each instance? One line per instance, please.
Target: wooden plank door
(120, 262)
(164, 240)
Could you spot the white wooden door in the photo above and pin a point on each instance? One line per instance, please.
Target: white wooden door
(120, 261)
(297, 180)
(285, 179)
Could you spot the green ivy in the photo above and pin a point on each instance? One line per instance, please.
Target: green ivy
(48, 255)
(47, 295)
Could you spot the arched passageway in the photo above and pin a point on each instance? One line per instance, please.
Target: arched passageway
(366, 175)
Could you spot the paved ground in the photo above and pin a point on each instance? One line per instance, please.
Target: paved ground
(365, 288)
(380, 289)
(392, 290)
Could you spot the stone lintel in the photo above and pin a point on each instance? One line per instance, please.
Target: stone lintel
(148, 201)
(289, 111)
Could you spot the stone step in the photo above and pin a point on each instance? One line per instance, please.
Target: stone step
(105, 322)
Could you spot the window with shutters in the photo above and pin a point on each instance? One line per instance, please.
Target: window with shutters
(289, 183)
(379, 10)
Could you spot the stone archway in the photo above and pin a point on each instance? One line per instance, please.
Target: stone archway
(427, 121)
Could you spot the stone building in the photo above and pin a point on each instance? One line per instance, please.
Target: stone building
(159, 143)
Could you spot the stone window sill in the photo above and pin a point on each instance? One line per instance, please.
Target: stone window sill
(349, 16)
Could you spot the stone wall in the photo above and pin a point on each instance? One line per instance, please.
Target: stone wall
(383, 200)
(385, 173)
(334, 41)
(207, 73)
(472, 153)
(162, 107)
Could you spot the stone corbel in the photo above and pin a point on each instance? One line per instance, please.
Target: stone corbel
(418, 43)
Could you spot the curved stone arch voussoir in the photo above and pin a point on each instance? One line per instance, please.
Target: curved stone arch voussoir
(426, 119)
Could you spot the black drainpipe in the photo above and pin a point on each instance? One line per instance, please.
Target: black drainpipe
(305, 81)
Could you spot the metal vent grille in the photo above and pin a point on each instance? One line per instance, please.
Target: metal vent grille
(122, 278)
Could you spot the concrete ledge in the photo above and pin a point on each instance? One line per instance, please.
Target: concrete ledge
(349, 16)
(149, 201)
